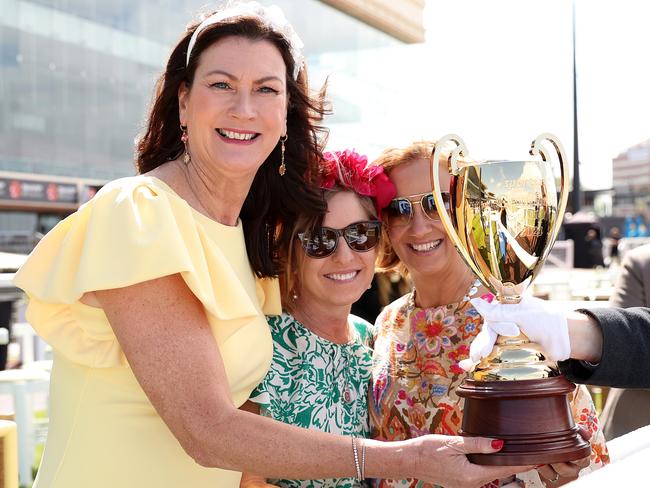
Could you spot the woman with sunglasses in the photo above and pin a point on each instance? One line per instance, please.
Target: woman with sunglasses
(421, 337)
(320, 372)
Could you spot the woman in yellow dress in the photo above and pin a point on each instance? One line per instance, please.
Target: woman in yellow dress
(153, 294)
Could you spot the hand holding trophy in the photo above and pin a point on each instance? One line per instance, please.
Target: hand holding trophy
(503, 219)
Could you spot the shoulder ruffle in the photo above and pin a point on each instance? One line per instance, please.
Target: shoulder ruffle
(134, 230)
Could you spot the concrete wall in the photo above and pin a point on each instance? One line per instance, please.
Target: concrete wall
(401, 19)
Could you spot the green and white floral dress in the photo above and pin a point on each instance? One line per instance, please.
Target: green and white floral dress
(317, 384)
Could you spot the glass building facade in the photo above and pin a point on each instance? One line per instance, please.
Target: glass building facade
(76, 79)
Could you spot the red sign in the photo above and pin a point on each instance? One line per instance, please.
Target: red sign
(37, 191)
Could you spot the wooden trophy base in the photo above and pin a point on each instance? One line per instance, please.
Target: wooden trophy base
(532, 417)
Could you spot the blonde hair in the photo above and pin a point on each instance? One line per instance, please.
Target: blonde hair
(389, 159)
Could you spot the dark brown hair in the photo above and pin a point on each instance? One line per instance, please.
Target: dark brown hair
(272, 200)
(391, 158)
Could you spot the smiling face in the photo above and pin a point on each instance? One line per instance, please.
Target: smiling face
(422, 245)
(236, 108)
(339, 279)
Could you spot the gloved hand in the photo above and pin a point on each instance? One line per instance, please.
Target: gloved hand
(536, 318)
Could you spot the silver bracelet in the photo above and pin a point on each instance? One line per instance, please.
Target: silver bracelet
(356, 457)
(363, 461)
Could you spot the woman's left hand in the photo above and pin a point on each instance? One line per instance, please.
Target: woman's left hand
(559, 474)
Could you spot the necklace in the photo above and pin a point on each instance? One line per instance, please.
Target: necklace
(304, 318)
(345, 389)
(335, 345)
(330, 337)
(472, 290)
(203, 209)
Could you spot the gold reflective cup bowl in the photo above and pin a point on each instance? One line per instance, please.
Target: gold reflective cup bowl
(503, 219)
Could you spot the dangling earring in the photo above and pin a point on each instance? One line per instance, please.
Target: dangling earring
(294, 295)
(283, 168)
(184, 139)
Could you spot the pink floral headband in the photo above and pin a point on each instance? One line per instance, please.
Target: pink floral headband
(350, 169)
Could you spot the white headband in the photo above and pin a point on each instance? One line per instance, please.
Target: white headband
(272, 16)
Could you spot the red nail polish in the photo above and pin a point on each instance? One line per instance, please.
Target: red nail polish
(497, 444)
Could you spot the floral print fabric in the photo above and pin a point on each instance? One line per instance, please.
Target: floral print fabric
(415, 375)
(317, 384)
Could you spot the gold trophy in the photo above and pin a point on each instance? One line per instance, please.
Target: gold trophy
(503, 219)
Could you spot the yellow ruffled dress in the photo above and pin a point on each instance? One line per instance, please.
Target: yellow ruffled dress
(104, 432)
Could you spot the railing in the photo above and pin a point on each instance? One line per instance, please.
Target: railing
(561, 255)
(19, 242)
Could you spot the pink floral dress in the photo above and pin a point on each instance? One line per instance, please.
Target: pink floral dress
(415, 374)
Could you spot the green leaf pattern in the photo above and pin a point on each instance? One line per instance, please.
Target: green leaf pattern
(306, 385)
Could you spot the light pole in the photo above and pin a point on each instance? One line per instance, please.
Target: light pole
(576, 194)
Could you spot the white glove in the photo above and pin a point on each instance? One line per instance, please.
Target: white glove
(536, 318)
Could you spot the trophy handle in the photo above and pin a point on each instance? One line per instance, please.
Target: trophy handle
(455, 165)
(537, 148)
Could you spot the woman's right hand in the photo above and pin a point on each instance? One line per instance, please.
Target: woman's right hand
(442, 460)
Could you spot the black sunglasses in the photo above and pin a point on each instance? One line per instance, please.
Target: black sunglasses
(400, 210)
(322, 241)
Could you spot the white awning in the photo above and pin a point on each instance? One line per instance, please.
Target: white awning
(10, 261)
